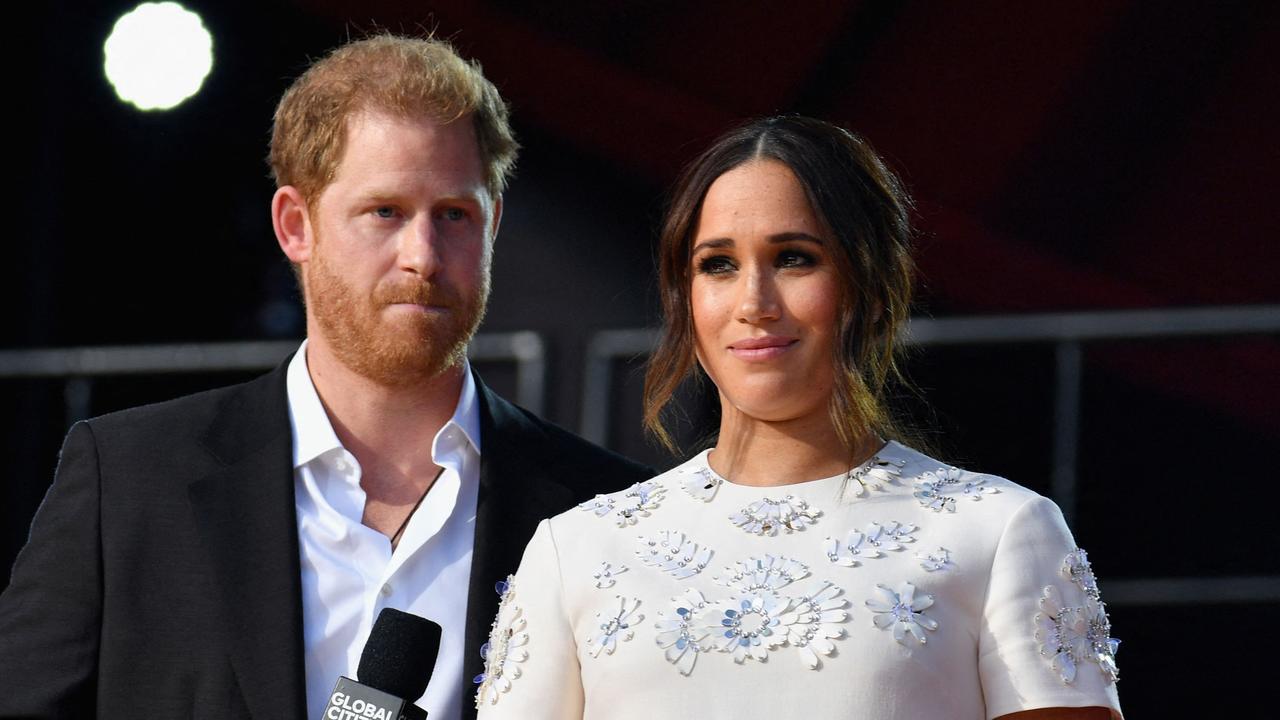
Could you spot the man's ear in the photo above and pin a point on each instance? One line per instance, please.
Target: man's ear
(497, 218)
(292, 224)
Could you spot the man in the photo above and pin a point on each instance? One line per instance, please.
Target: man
(225, 554)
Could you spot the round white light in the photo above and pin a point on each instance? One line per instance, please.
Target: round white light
(158, 55)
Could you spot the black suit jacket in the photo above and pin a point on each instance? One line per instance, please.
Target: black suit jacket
(162, 576)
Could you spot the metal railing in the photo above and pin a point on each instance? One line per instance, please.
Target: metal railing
(80, 365)
(1068, 332)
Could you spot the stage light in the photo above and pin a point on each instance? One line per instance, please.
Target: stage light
(158, 55)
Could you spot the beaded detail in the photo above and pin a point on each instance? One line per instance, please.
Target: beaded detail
(765, 516)
(684, 634)
(700, 482)
(636, 502)
(605, 575)
(614, 625)
(935, 561)
(902, 610)
(938, 490)
(505, 648)
(875, 473)
(868, 545)
(673, 553)
(1070, 635)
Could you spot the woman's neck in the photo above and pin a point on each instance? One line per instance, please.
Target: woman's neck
(763, 453)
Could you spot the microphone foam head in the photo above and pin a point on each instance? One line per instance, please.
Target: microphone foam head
(400, 654)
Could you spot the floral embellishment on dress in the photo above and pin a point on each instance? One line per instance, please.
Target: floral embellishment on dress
(504, 650)
(811, 624)
(1071, 635)
(673, 553)
(875, 473)
(869, 545)
(684, 634)
(636, 502)
(939, 559)
(605, 574)
(938, 490)
(902, 611)
(751, 625)
(770, 572)
(614, 624)
(765, 516)
(1076, 568)
(700, 482)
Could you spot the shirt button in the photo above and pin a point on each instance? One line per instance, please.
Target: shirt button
(386, 590)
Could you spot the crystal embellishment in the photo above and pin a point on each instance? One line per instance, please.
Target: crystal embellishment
(1071, 635)
(684, 634)
(700, 482)
(935, 561)
(614, 624)
(868, 545)
(751, 625)
(812, 624)
(770, 573)
(766, 516)
(938, 490)
(636, 502)
(902, 610)
(505, 649)
(875, 473)
(673, 553)
(605, 575)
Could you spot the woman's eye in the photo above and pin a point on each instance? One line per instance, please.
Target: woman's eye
(715, 265)
(794, 258)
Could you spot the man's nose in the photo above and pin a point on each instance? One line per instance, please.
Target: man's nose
(419, 250)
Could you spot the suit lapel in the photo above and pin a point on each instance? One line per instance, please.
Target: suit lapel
(246, 518)
(516, 491)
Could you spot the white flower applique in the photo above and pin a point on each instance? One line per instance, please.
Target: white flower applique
(505, 649)
(750, 625)
(765, 516)
(636, 502)
(935, 561)
(684, 634)
(903, 611)
(1072, 635)
(938, 490)
(700, 482)
(673, 553)
(875, 473)
(606, 575)
(614, 624)
(812, 624)
(771, 572)
(868, 545)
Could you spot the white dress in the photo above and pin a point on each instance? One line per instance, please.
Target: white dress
(905, 588)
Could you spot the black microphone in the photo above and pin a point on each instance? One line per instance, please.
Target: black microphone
(394, 670)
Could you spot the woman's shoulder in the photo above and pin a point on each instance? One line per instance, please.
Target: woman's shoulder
(940, 485)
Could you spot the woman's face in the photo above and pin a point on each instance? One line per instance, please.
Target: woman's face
(765, 294)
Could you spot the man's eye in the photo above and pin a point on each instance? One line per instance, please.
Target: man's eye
(385, 211)
(454, 214)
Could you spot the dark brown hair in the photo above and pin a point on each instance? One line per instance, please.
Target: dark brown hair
(861, 204)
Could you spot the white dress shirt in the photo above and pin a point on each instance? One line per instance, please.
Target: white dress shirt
(350, 572)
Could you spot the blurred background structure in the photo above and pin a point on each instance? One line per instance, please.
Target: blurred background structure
(1099, 249)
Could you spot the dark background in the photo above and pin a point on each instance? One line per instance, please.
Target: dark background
(1065, 156)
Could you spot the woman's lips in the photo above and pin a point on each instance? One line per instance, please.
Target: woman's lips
(763, 348)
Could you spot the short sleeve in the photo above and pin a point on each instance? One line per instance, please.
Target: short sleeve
(1034, 646)
(531, 662)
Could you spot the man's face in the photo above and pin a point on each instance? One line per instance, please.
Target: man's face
(399, 274)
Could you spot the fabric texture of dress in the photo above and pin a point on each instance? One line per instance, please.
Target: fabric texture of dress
(905, 588)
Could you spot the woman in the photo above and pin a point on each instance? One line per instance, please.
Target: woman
(803, 566)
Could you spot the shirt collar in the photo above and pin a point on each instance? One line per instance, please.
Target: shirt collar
(313, 434)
